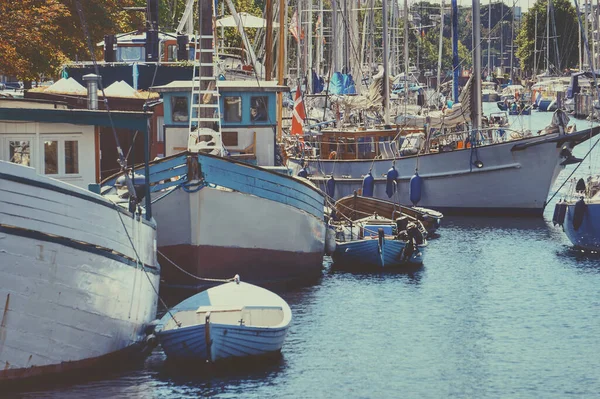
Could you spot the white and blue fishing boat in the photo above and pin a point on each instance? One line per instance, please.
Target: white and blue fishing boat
(377, 242)
(222, 204)
(231, 320)
(78, 273)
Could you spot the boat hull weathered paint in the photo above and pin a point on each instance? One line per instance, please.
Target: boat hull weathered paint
(587, 236)
(367, 253)
(239, 219)
(514, 178)
(72, 291)
(218, 233)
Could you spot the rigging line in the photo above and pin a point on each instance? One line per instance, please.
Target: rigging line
(122, 161)
(142, 263)
(218, 280)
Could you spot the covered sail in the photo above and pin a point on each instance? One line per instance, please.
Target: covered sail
(459, 113)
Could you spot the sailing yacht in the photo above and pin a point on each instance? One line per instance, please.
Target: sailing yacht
(445, 162)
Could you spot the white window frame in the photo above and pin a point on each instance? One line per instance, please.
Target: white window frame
(160, 129)
(5, 147)
(61, 138)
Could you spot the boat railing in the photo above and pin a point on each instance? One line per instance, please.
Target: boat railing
(347, 147)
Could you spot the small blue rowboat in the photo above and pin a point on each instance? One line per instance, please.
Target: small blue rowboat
(231, 320)
(380, 243)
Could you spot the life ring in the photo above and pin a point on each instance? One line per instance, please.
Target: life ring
(332, 155)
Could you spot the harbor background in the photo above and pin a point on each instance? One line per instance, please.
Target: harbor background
(503, 307)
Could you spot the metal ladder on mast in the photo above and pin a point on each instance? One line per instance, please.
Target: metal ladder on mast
(205, 112)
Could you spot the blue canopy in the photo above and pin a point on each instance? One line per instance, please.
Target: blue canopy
(341, 83)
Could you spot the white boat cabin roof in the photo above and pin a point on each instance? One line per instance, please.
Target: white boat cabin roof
(225, 85)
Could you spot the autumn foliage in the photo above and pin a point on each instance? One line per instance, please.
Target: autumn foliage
(37, 36)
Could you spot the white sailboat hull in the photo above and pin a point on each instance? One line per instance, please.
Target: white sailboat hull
(72, 293)
(512, 180)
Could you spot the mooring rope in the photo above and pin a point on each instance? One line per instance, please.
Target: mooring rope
(218, 280)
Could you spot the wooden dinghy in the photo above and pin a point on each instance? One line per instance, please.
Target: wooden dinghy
(354, 207)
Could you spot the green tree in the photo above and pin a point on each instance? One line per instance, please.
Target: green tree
(565, 21)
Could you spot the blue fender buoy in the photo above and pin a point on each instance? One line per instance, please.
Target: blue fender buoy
(330, 187)
(555, 214)
(390, 187)
(562, 212)
(414, 189)
(578, 214)
(303, 173)
(368, 185)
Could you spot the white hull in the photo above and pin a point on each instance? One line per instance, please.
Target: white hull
(71, 291)
(510, 181)
(227, 321)
(218, 233)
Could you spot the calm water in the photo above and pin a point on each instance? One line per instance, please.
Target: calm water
(502, 308)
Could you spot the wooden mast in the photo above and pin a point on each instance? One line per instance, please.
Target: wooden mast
(269, 40)
(280, 63)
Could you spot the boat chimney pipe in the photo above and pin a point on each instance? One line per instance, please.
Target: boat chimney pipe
(152, 42)
(92, 87)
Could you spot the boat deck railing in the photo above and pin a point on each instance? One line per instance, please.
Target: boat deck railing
(347, 147)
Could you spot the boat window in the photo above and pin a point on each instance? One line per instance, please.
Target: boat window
(20, 152)
(366, 147)
(130, 53)
(51, 157)
(179, 109)
(232, 109)
(71, 157)
(258, 108)
(172, 52)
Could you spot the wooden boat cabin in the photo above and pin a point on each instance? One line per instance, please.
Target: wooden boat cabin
(248, 118)
(368, 143)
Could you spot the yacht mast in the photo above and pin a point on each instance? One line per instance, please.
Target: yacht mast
(406, 61)
(439, 69)
(535, 29)
(476, 111)
(386, 84)
(455, 64)
(280, 63)
(489, 54)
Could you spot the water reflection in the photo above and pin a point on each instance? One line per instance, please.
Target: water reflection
(206, 375)
(581, 259)
(411, 275)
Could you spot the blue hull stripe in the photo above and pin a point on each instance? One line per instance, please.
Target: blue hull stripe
(81, 246)
(237, 176)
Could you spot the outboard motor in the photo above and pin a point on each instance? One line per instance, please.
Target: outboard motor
(401, 223)
(415, 234)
